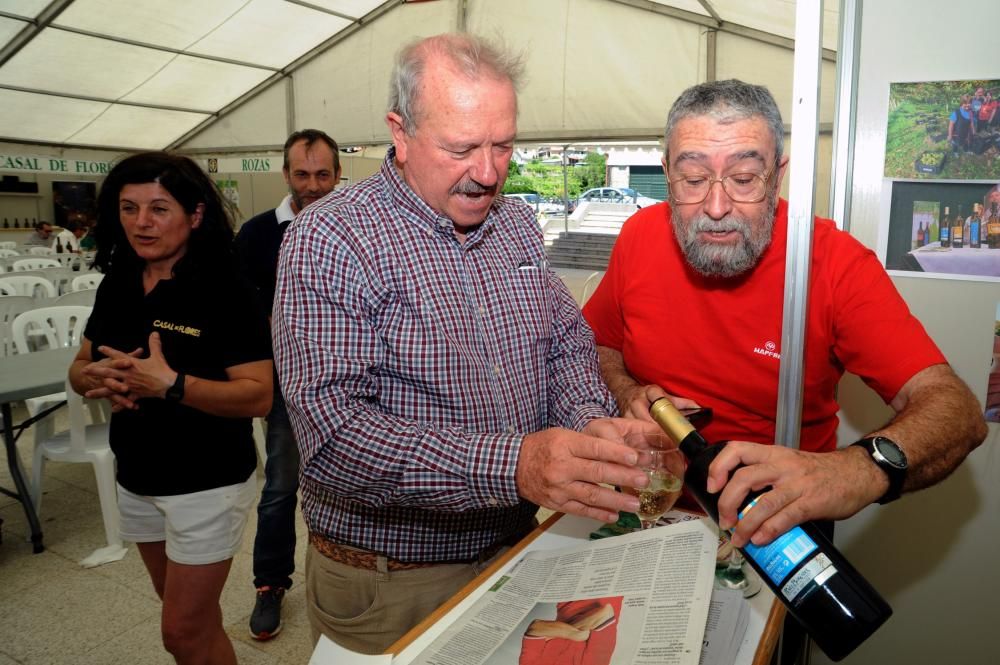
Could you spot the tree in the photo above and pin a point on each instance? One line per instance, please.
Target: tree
(592, 172)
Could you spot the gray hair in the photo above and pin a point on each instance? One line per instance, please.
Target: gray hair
(728, 101)
(473, 56)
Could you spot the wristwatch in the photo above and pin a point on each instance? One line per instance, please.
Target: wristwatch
(891, 459)
(175, 393)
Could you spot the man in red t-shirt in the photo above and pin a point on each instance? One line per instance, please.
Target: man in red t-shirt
(691, 308)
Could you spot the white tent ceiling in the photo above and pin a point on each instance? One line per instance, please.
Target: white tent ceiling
(139, 74)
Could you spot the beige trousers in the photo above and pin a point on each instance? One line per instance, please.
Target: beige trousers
(367, 610)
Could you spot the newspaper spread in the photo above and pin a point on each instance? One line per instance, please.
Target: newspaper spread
(728, 616)
(640, 598)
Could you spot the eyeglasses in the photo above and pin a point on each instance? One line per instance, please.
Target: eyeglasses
(693, 188)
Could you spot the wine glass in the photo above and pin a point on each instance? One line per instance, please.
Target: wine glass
(664, 465)
(731, 570)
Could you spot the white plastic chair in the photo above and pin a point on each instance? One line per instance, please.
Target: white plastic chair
(61, 278)
(61, 327)
(48, 328)
(32, 286)
(41, 250)
(8, 244)
(84, 297)
(6, 252)
(84, 443)
(88, 280)
(35, 263)
(10, 307)
(590, 286)
(68, 259)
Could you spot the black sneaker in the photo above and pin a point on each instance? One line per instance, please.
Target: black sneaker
(265, 622)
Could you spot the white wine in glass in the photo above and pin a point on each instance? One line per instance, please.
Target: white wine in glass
(665, 470)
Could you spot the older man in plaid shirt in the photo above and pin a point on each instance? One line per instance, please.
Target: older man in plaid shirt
(439, 377)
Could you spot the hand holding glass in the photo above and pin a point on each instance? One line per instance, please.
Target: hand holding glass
(664, 465)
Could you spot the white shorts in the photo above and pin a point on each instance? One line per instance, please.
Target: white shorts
(199, 528)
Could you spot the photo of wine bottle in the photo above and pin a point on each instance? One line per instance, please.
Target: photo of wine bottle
(834, 603)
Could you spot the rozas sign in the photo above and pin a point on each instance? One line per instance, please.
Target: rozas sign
(45, 164)
(243, 164)
(68, 163)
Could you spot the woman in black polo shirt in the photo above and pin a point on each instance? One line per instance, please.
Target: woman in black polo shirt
(178, 344)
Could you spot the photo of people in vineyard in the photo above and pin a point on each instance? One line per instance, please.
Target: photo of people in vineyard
(944, 129)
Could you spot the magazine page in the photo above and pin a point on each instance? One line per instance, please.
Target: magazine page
(639, 598)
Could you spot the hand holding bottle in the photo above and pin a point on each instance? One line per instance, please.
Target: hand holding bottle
(803, 486)
(820, 588)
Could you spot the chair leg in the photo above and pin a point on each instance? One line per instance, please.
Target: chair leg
(37, 469)
(107, 491)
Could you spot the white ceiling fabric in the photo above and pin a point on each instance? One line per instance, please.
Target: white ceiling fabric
(220, 74)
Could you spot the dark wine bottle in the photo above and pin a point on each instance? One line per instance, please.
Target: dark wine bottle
(957, 227)
(944, 228)
(821, 589)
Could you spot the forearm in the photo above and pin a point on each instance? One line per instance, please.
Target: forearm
(938, 423)
(233, 398)
(614, 373)
(82, 382)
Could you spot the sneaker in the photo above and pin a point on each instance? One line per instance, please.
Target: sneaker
(265, 622)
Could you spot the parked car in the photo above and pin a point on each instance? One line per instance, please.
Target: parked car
(532, 199)
(616, 195)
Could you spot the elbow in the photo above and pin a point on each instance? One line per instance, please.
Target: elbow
(979, 433)
(261, 406)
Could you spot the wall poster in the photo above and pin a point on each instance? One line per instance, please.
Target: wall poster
(944, 129)
(946, 228)
(993, 384)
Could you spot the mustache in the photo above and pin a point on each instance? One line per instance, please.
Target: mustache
(472, 187)
(705, 224)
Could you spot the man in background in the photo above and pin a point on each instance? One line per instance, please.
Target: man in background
(41, 236)
(312, 169)
(68, 240)
(440, 379)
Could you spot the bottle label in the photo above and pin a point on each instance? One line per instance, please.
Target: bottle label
(781, 555)
(819, 569)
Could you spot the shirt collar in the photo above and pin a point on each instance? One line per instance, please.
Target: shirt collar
(419, 212)
(284, 211)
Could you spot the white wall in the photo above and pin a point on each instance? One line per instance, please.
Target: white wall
(932, 554)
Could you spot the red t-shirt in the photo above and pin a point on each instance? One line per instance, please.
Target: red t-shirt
(717, 341)
(987, 108)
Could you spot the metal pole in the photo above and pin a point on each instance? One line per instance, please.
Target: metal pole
(805, 117)
(842, 173)
(805, 108)
(565, 161)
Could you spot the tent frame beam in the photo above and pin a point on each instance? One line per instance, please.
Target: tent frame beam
(158, 47)
(305, 58)
(722, 26)
(105, 100)
(33, 29)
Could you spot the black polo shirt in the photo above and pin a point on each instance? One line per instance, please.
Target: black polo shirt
(258, 245)
(206, 324)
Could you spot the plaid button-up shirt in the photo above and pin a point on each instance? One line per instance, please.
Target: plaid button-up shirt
(413, 365)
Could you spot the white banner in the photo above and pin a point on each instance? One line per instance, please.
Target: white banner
(47, 164)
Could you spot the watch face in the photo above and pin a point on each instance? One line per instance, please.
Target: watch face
(890, 452)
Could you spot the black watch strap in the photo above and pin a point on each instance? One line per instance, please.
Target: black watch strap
(175, 393)
(891, 459)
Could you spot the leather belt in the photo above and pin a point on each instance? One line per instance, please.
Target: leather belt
(366, 560)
